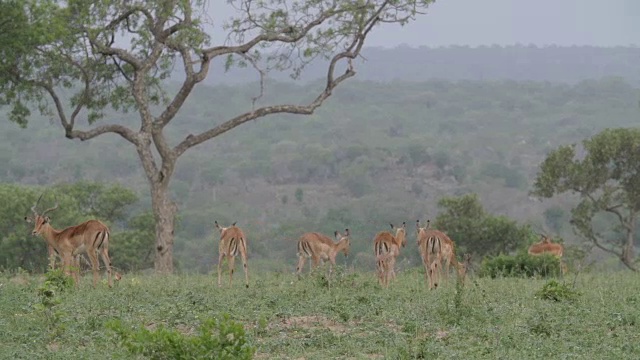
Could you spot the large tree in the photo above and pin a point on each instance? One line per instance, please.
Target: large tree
(605, 174)
(118, 53)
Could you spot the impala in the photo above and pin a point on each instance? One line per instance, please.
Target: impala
(91, 237)
(232, 243)
(386, 248)
(545, 246)
(320, 247)
(437, 248)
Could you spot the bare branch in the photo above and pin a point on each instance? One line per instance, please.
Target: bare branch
(350, 53)
(125, 15)
(285, 37)
(193, 140)
(123, 131)
(262, 74)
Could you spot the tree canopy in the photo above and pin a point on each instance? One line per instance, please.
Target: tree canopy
(87, 57)
(605, 174)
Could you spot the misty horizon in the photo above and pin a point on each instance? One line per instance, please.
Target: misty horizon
(504, 22)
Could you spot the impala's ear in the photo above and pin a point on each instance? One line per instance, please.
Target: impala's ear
(418, 223)
(46, 219)
(216, 224)
(27, 219)
(346, 231)
(335, 233)
(404, 224)
(391, 225)
(234, 223)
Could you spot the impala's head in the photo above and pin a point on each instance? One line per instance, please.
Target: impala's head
(343, 237)
(421, 231)
(39, 220)
(220, 228)
(401, 234)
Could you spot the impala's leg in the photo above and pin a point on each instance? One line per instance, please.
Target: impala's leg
(52, 257)
(425, 262)
(67, 260)
(332, 263)
(447, 264)
(316, 261)
(76, 268)
(301, 261)
(104, 253)
(243, 256)
(390, 267)
(232, 262)
(220, 259)
(435, 271)
(95, 265)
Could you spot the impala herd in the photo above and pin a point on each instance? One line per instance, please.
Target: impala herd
(436, 249)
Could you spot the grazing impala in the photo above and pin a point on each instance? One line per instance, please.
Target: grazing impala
(437, 248)
(545, 246)
(91, 237)
(320, 247)
(232, 243)
(386, 248)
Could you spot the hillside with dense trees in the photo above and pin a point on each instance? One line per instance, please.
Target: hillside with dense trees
(378, 152)
(551, 63)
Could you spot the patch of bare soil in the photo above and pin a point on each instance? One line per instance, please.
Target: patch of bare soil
(309, 322)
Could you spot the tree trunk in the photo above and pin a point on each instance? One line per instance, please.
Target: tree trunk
(164, 211)
(628, 255)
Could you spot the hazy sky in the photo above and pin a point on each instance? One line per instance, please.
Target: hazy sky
(505, 22)
(540, 22)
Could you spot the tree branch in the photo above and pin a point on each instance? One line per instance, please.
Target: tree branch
(123, 131)
(351, 52)
(193, 140)
(284, 37)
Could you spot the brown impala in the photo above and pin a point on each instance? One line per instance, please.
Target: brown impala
(320, 247)
(91, 237)
(386, 247)
(232, 243)
(437, 248)
(545, 246)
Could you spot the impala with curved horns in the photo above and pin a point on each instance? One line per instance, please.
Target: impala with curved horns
(91, 236)
(232, 243)
(386, 247)
(320, 248)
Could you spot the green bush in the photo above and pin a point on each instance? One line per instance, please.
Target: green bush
(521, 265)
(556, 291)
(215, 339)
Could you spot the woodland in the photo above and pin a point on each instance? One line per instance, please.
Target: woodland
(379, 151)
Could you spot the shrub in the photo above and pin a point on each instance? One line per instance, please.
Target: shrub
(521, 265)
(556, 291)
(216, 339)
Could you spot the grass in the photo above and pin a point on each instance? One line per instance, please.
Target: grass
(349, 317)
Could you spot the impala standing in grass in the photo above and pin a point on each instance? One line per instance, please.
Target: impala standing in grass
(320, 247)
(438, 253)
(232, 243)
(386, 248)
(91, 237)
